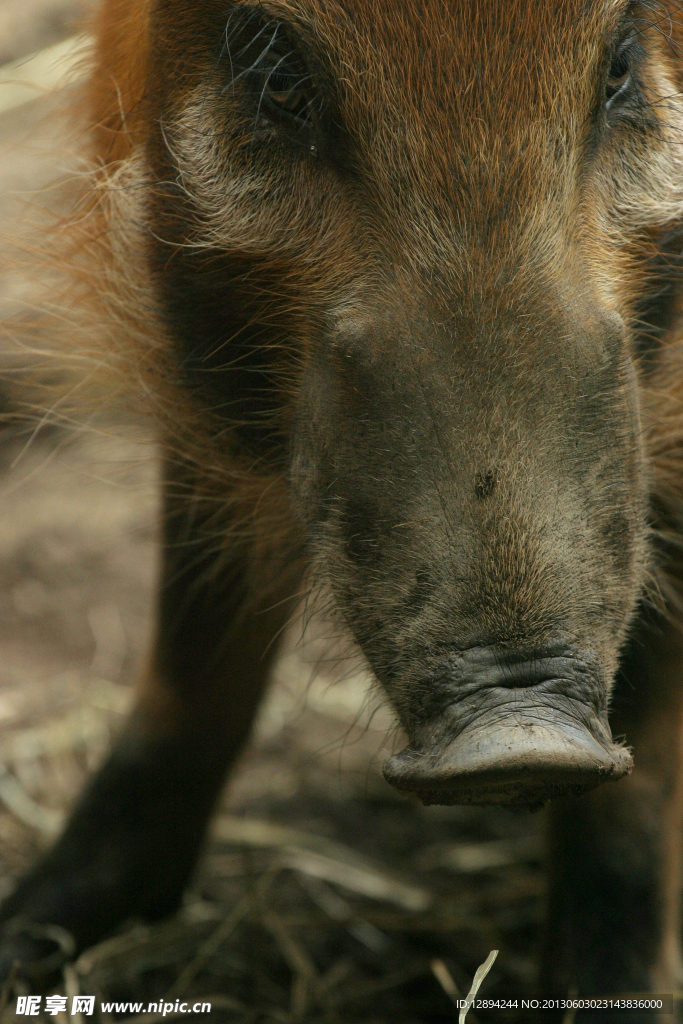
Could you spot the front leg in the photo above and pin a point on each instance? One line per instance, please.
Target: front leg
(615, 854)
(131, 843)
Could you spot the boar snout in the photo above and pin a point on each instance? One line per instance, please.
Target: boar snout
(502, 728)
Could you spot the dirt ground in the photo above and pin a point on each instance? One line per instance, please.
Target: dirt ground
(322, 895)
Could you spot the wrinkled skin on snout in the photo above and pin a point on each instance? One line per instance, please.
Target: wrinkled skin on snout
(476, 496)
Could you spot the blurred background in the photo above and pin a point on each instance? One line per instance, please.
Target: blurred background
(356, 904)
(27, 26)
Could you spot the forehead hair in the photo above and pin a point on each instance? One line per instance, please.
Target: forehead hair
(463, 119)
(445, 49)
(465, 72)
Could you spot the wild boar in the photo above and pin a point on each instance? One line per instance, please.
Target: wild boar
(400, 284)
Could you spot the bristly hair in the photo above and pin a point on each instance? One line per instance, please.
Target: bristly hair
(99, 323)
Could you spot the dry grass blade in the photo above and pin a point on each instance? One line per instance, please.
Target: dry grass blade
(140, 950)
(304, 971)
(338, 973)
(443, 976)
(247, 904)
(479, 976)
(324, 859)
(297, 958)
(72, 989)
(445, 979)
(468, 858)
(81, 727)
(86, 728)
(16, 799)
(363, 880)
(337, 909)
(208, 948)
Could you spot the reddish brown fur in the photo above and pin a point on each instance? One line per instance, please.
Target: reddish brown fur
(407, 94)
(469, 230)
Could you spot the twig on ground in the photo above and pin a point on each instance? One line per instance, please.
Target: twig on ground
(479, 976)
(304, 972)
(208, 948)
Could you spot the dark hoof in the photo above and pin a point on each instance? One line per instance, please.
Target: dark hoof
(34, 952)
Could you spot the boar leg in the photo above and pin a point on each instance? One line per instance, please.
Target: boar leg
(615, 854)
(131, 843)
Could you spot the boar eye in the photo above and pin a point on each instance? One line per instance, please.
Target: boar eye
(619, 76)
(262, 54)
(286, 82)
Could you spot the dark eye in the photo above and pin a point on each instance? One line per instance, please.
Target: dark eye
(619, 75)
(286, 82)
